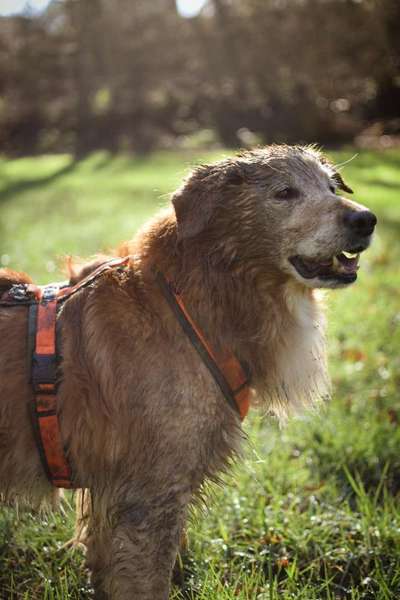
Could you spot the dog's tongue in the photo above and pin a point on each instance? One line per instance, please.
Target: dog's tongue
(313, 267)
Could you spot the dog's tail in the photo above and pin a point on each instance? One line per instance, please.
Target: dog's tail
(8, 278)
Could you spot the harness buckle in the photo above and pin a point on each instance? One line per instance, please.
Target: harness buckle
(44, 369)
(19, 292)
(49, 292)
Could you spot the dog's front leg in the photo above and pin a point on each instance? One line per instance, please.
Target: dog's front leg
(132, 546)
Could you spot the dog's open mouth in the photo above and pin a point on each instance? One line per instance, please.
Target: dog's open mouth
(343, 267)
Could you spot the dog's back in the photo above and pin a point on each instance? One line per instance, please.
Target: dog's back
(8, 278)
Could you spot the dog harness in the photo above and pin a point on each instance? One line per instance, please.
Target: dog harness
(43, 303)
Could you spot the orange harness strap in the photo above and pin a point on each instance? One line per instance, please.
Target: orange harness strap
(42, 324)
(227, 371)
(44, 365)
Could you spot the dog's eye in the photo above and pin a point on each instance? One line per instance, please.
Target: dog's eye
(288, 193)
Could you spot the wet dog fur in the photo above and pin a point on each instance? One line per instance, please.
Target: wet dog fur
(144, 422)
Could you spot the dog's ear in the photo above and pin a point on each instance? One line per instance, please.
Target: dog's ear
(200, 195)
(335, 175)
(338, 179)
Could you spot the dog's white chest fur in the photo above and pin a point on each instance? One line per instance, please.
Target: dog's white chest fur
(301, 379)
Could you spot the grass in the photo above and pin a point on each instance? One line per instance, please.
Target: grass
(313, 512)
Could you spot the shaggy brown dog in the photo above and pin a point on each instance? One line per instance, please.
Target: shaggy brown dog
(246, 242)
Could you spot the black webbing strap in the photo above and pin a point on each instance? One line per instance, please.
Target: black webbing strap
(196, 341)
(32, 322)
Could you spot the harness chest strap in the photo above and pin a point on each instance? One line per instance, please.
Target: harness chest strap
(45, 421)
(227, 371)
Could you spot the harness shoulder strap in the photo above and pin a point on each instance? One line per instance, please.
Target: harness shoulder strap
(227, 371)
(67, 291)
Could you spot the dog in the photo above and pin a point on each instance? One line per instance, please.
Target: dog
(246, 243)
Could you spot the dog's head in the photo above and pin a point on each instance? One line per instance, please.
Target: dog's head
(279, 207)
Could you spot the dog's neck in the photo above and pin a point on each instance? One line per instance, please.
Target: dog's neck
(270, 322)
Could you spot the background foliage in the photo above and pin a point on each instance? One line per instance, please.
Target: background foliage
(135, 75)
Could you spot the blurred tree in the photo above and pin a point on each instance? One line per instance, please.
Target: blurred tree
(387, 14)
(87, 66)
(91, 74)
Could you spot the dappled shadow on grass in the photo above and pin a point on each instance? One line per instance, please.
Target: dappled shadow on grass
(282, 568)
(385, 183)
(23, 185)
(391, 157)
(35, 563)
(392, 226)
(102, 162)
(183, 575)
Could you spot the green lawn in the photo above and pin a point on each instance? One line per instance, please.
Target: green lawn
(313, 511)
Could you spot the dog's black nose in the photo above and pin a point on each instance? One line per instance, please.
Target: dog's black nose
(361, 222)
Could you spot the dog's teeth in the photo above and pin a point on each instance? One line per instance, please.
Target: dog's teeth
(336, 262)
(350, 254)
